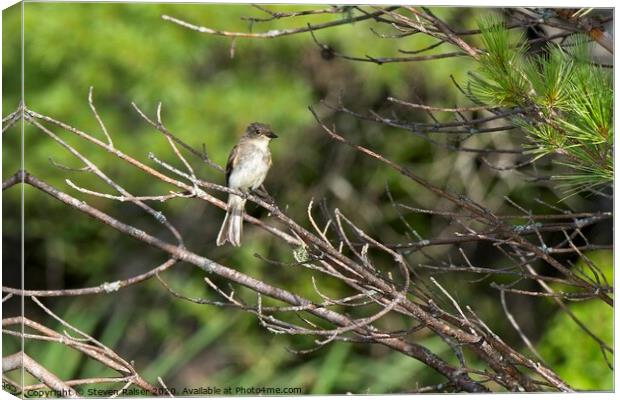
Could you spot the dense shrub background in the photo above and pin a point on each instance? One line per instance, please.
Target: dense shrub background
(128, 53)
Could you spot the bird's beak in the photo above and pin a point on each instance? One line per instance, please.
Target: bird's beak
(271, 135)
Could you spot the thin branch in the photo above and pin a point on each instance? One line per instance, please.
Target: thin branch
(22, 360)
(273, 33)
(99, 120)
(107, 287)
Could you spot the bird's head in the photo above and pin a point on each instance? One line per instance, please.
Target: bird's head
(258, 129)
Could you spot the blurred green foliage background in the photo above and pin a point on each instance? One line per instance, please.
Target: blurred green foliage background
(128, 53)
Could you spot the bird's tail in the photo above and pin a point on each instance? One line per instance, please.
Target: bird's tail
(233, 222)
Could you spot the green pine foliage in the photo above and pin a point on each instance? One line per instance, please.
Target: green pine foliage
(566, 102)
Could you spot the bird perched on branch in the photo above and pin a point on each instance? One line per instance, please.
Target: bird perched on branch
(246, 169)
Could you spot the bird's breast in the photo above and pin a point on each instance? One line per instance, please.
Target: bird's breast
(251, 168)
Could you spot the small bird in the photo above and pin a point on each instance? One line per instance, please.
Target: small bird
(246, 169)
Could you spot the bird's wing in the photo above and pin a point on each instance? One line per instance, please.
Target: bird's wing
(233, 159)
